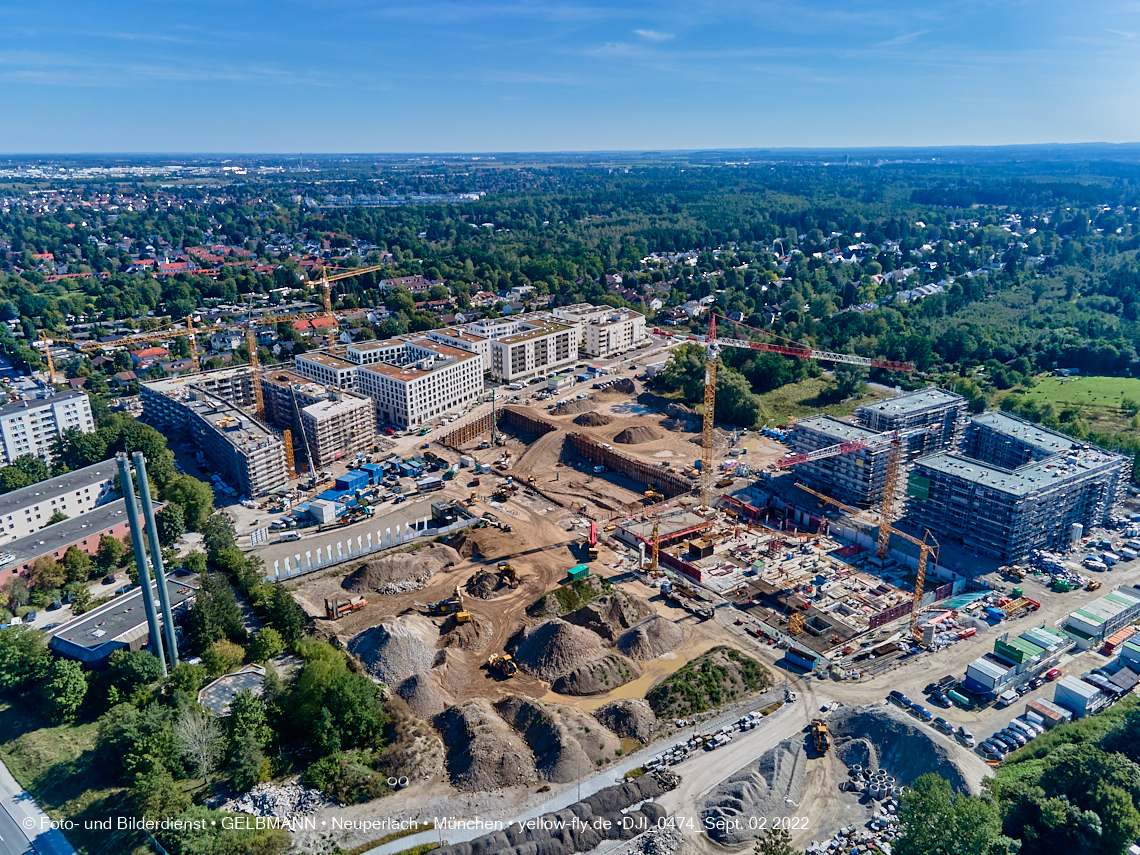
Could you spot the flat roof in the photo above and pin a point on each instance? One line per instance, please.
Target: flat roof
(1031, 434)
(218, 695)
(326, 409)
(52, 537)
(1078, 687)
(989, 668)
(53, 488)
(1030, 478)
(833, 428)
(913, 402)
(238, 428)
(327, 360)
(34, 403)
(123, 614)
(538, 330)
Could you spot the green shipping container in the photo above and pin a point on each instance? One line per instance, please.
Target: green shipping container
(579, 572)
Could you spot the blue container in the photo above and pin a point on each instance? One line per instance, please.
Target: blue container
(355, 479)
(375, 472)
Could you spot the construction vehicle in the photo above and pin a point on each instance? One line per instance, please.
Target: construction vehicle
(713, 346)
(501, 494)
(503, 664)
(592, 543)
(509, 574)
(531, 480)
(336, 609)
(453, 605)
(1015, 573)
(1093, 585)
(820, 736)
(473, 498)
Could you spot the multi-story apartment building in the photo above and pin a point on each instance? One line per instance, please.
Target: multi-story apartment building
(930, 420)
(72, 494)
(537, 347)
(420, 382)
(855, 478)
(339, 426)
(285, 394)
(327, 370)
(30, 427)
(603, 330)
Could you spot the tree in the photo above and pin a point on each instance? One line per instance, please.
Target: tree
(57, 517)
(776, 841)
(218, 534)
(248, 716)
(22, 655)
(157, 795)
(78, 564)
(285, 615)
(64, 689)
(216, 614)
(849, 380)
(267, 643)
(130, 669)
(196, 499)
(248, 764)
(222, 656)
(79, 596)
(109, 557)
(199, 739)
(47, 573)
(171, 524)
(936, 821)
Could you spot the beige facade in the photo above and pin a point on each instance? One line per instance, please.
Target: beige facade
(340, 426)
(327, 370)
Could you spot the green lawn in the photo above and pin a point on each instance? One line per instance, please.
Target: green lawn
(1099, 398)
(58, 766)
(807, 398)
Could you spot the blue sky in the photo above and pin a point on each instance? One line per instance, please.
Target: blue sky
(516, 75)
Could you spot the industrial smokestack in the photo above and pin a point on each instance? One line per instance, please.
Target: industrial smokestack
(156, 559)
(140, 559)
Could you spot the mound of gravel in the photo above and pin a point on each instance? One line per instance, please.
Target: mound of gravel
(483, 753)
(592, 419)
(423, 695)
(286, 801)
(637, 435)
(630, 718)
(578, 405)
(485, 584)
(650, 639)
(566, 743)
(609, 614)
(554, 648)
(450, 666)
(876, 736)
(396, 648)
(598, 677)
(759, 789)
(400, 573)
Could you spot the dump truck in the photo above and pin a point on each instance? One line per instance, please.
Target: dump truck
(503, 664)
(592, 543)
(336, 609)
(820, 736)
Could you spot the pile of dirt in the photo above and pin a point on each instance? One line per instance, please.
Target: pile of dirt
(566, 742)
(593, 419)
(609, 614)
(554, 648)
(483, 753)
(630, 718)
(486, 585)
(578, 405)
(637, 435)
(413, 747)
(721, 438)
(655, 637)
(624, 385)
(676, 410)
(717, 677)
(681, 418)
(396, 648)
(761, 788)
(598, 676)
(400, 573)
(423, 695)
(465, 545)
(570, 597)
(682, 425)
(450, 666)
(472, 635)
(876, 736)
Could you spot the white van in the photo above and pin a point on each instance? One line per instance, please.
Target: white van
(288, 536)
(516, 387)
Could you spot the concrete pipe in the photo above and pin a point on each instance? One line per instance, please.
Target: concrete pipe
(856, 769)
(403, 782)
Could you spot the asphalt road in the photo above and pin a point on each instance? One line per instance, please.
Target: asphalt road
(17, 809)
(12, 839)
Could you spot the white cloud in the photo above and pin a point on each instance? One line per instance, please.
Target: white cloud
(654, 35)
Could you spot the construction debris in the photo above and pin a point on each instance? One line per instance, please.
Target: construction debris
(400, 573)
(284, 801)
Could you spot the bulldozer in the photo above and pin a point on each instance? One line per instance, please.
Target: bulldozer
(820, 736)
(502, 494)
(451, 606)
(335, 609)
(503, 664)
(509, 574)
(472, 499)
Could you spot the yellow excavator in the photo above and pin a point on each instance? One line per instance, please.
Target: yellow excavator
(503, 664)
(451, 606)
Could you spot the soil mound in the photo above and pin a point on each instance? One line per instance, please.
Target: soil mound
(483, 753)
(397, 648)
(717, 677)
(565, 742)
(655, 637)
(598, 677)
(451, 668)
(680, 411)
(554, 648)
(721, 438)
(609, 614)
(637, 435)
(465, 546)
(485, 585)
(423, 695)
(578, 405)
(875, 736)
(398, 574)
(759, 789)
(465, 636)
(624, 385)
(630, 718)
(593, 419)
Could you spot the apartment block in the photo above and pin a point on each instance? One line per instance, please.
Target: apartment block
(327, 370)
(855, 478)
(1008, 441)
(73, 494)
(339, 426)
(422, 380)
(537, 347)
(285, 394)
(242, 452)
(30, 427)
(930, 420)
(603, 330)
(232, 385)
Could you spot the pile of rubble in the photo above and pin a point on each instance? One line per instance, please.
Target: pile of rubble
(659, 841)
(880, 834)
(282, 801)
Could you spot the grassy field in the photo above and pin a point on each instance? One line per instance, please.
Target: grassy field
(807, 398)
(59, 767)
(1099, 398)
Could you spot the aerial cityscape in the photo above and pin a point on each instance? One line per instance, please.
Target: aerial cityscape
(651, 447)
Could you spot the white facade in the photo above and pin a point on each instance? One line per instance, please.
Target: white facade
(538, 348)
(327, 370)
(73, 494)
(616, 332)
(430, 380)
(30, 427)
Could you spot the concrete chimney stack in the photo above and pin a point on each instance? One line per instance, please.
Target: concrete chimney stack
(140, 559)
(156, 559)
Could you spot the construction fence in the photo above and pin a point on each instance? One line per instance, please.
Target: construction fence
(522, 422)
(666, 482)
(467, 432)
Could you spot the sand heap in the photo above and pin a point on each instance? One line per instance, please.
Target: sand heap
(578, 405)
(598, 676)
(400, 573)
(554, 648)
(637, 435)
(450, 666)
(593, 419)
(629, 718)
(423, 695)
(609, 614)
(566, 743)
(396, 648)
(483, 753)
(655, 637)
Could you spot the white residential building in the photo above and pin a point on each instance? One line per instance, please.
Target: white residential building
(72, 494)
(327, 370)
(528, 346)
(615, 332)
(30, 427)
(416, 381)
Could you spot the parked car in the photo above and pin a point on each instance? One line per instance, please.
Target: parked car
(897, 697)
(939, 699)
(1053, 675)
(109, 579)
(943, 725)
(990, 752)
(931, 688)
(1024, 689)
(964, 736)
(1037, 682)
(400, 498)
(1021, 727)
(921, 712)
(1001, 743)
(1010, 733)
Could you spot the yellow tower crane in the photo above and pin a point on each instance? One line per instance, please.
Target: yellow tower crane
(342, 273)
